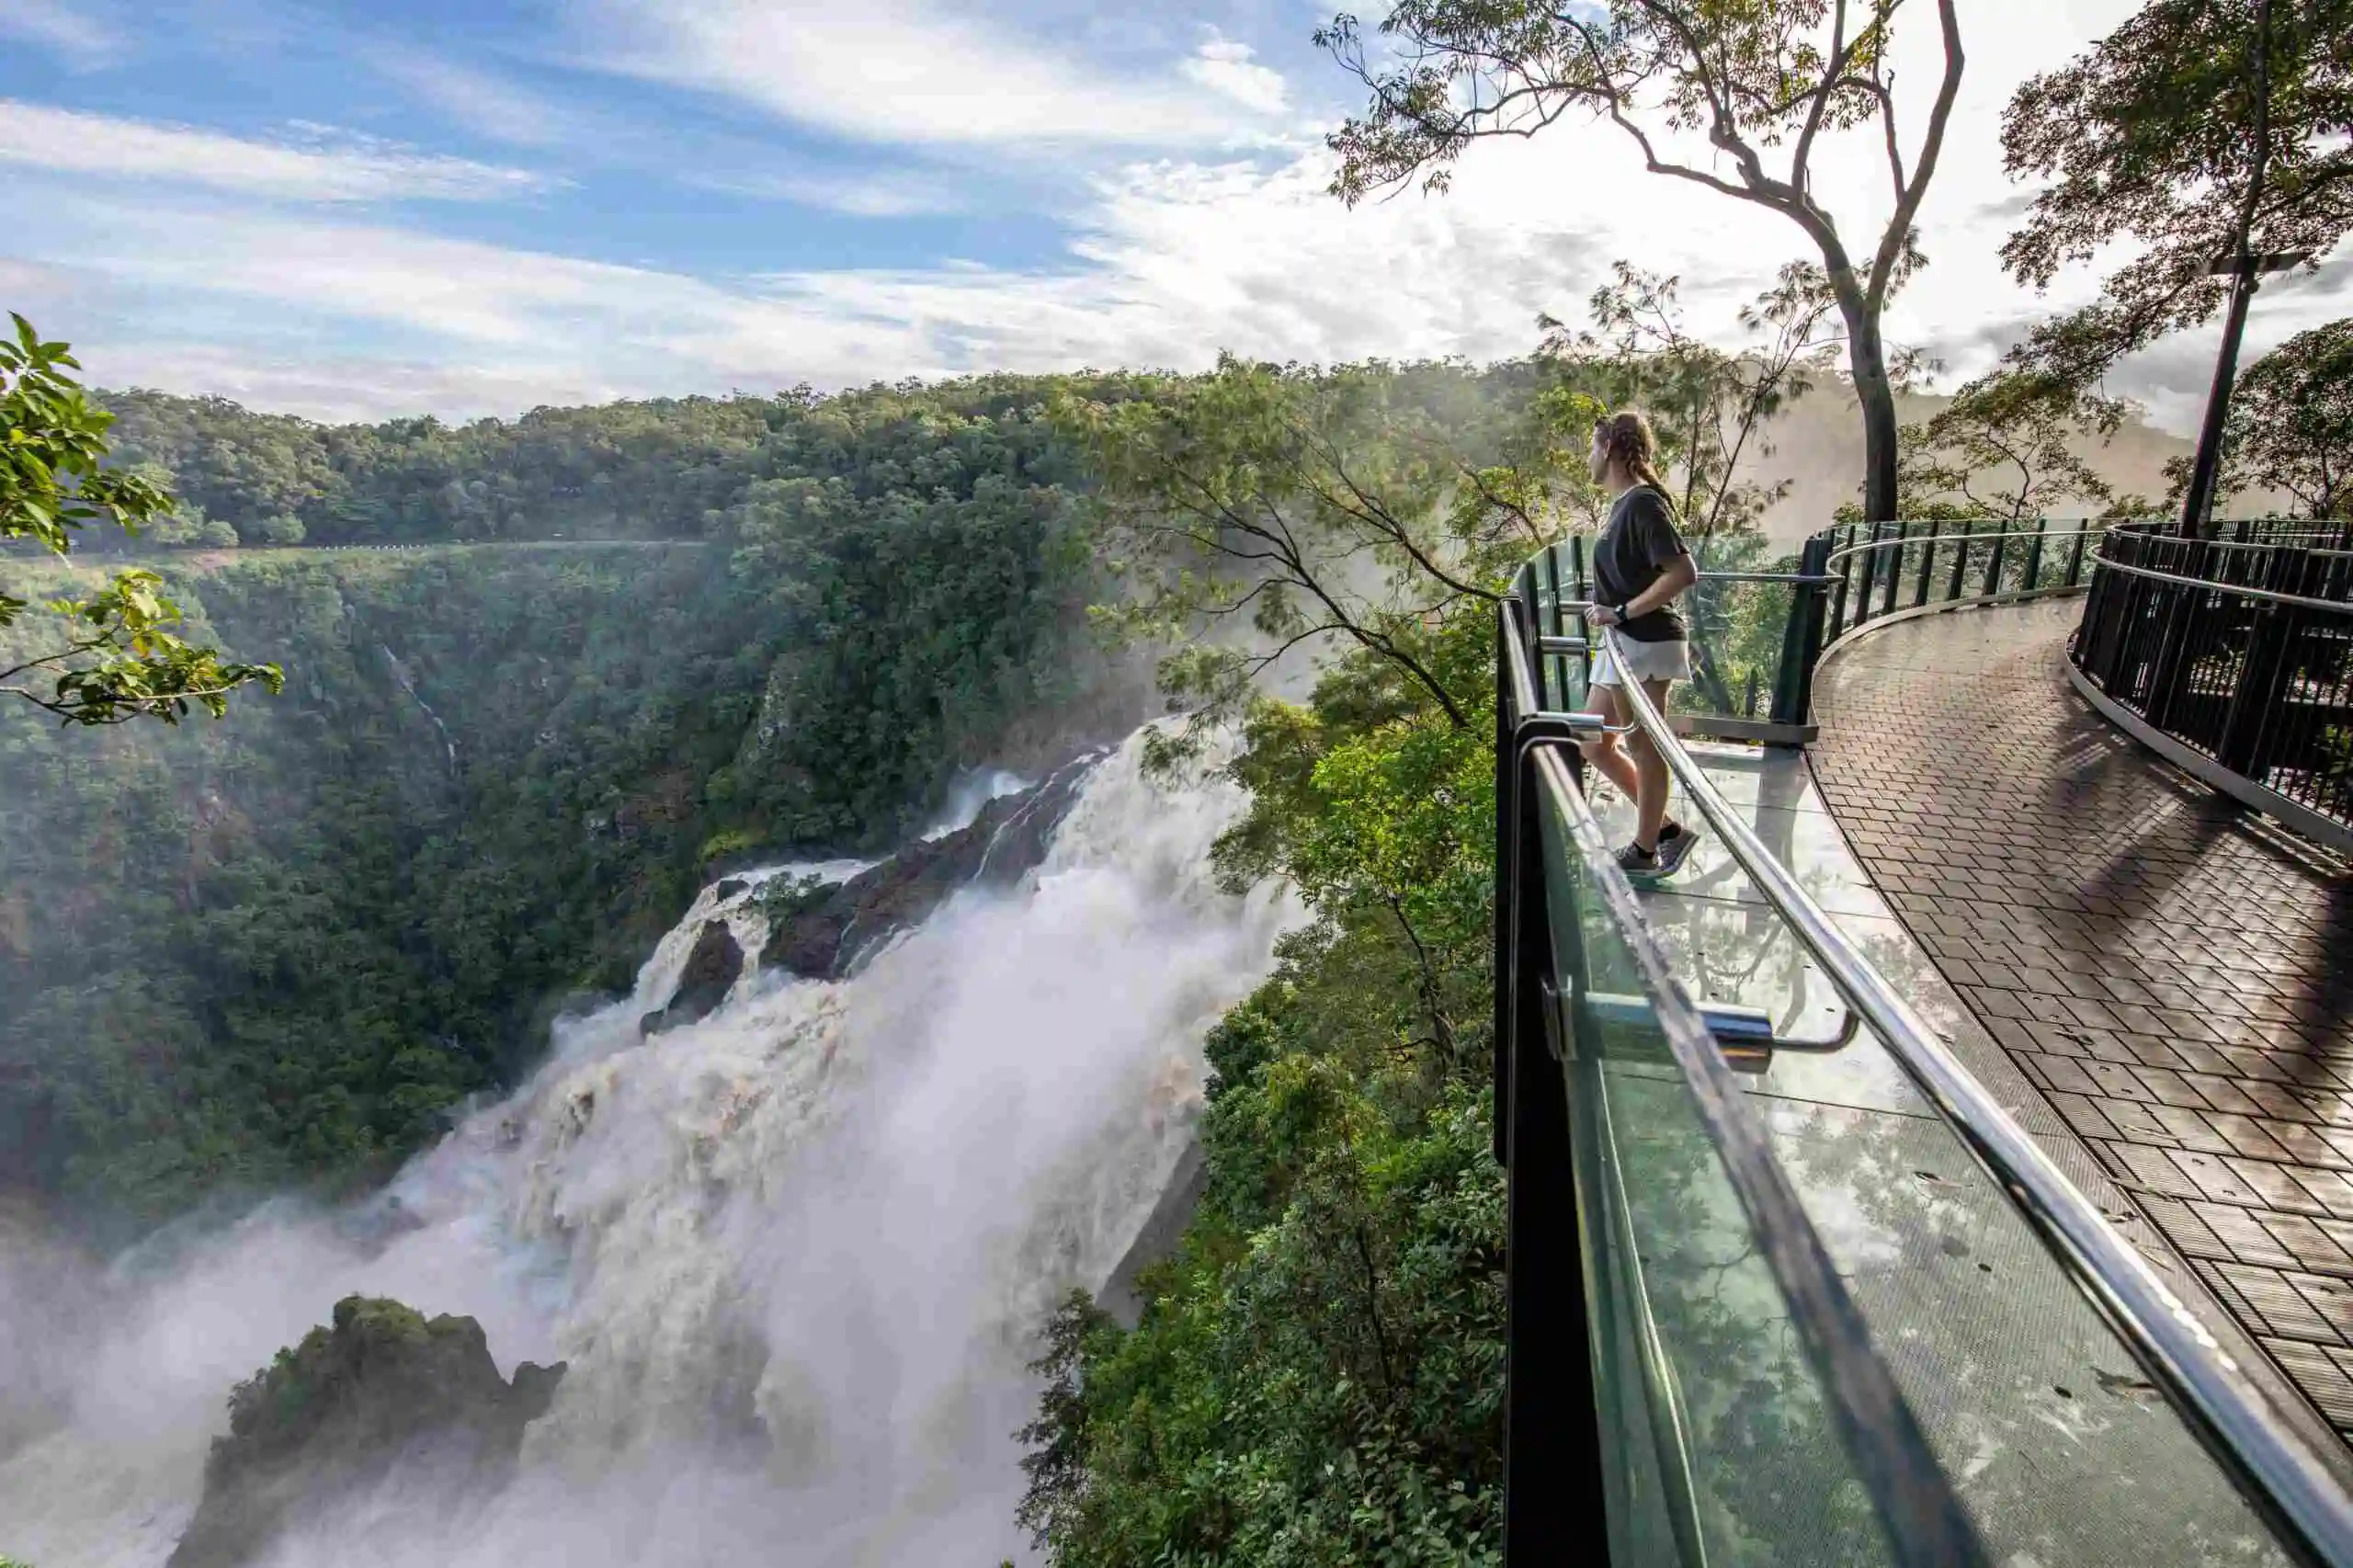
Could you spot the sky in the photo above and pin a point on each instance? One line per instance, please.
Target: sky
(348, 210)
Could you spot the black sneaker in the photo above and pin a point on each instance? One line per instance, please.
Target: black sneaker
(1637, 861)
(1674, 847)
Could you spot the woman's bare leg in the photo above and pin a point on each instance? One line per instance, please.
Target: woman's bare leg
(1604, 752)
(1650, 776)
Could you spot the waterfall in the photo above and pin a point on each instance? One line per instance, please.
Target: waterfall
(794, 1253)
(400, 673)
(969, 794)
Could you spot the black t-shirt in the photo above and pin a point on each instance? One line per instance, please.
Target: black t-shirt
(1637, 544)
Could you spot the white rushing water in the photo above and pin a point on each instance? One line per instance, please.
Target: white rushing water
(794, 1254)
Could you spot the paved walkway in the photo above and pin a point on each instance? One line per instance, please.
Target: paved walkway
(2175, 975)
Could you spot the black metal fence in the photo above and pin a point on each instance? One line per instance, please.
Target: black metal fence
(2238, 649)
(1882, 570)
(1756, 636)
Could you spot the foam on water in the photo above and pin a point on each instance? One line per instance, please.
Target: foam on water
(794, 1253)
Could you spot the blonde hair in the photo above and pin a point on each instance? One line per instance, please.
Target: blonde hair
(1626, 438)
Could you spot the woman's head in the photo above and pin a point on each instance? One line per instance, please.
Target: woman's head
(1624, 449)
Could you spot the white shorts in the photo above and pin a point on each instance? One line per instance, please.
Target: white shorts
(1648, 661)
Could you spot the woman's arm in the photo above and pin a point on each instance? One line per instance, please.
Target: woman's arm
(1672, 578)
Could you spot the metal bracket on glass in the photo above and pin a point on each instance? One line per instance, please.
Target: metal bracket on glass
(1743, 1035)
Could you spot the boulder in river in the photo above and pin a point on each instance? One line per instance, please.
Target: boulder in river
(818, 933)
(712, 969)
(382, 1394)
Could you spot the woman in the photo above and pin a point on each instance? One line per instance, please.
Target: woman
(1640, 568)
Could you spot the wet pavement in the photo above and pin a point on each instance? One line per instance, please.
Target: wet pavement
(2034, 1405)
(2160, 981)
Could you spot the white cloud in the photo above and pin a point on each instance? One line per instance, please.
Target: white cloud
(338, 168)
(1171, 261)
(875, 193)
(1225, 65)
(905, 71)
(70, 29)
(481, 100)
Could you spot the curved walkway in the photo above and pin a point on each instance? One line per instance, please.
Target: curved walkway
(2175, 975)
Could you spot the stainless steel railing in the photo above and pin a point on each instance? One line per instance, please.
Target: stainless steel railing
(1543, 1065)
(2276, 1470)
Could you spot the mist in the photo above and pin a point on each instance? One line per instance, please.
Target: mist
(795, 1254)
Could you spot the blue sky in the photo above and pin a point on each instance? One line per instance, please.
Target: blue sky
(348, 209)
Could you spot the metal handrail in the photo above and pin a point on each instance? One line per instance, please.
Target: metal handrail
(2280, 1474)
(1898, 541)
(2298, 601)
(1799, 579)
(1925, 1522)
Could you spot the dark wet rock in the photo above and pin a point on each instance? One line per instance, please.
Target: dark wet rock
(818, 933)
(382, 1398)
(712, 969)
(731, 887)
(1157, 1239)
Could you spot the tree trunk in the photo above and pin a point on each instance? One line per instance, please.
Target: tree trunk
(1867, 360)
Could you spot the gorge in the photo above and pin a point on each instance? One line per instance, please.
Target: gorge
(751, 959)
(691, 1221)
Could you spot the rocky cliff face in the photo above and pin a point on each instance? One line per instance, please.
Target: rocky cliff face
(819, 934)
(712, 969)
(382, 1394)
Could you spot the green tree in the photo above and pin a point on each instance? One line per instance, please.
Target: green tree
(2291, 427)
(1727, 79)
(280, 529)
(2159, 139)
(1317, 1378)
(1712, 407)
(2010, 446)
(1318, 1375)
(118, 655)
(1278, 505)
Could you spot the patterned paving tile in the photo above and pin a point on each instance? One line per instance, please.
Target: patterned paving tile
(2177, 976)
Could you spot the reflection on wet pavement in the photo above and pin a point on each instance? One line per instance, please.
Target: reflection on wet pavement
(2056, 1444)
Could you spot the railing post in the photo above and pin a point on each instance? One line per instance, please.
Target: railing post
(2095, 634)
(2034, 555)
(1994, 562)
(1867, 584)
(1928, 565)
(1551, 669)
(1845, 537)
(2253, 704)
(2075, 556)
(1802, 633)
(2171, 666)
(2262, 676)
(1895, 567)
(1554, 1492)
(1506, 815)
(1961, 558)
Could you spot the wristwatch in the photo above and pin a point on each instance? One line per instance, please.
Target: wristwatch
(1619, 609)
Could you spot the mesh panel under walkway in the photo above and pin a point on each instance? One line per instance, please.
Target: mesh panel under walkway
(2175, 975)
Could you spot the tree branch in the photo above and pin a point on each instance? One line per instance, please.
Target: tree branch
(1891, 245)
(1799, 156)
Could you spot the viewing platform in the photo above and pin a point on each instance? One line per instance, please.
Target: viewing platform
(2174, 975)
(1961, 1169)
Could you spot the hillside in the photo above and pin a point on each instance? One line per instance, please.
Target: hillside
(1818, 447)
(277, 950)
